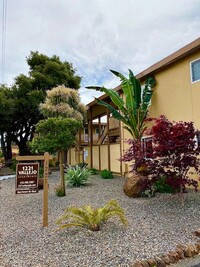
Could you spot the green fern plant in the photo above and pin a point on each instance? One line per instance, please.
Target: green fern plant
(91, 218)
(77, 176)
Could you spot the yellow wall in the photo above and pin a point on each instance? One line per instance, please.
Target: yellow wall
(104, 157)
(95, 151)
(175, 95)
(115, 156)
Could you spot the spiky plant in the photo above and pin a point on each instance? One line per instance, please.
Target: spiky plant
(91, 218)
(77, 176)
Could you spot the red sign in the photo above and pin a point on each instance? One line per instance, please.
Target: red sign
(27, 177)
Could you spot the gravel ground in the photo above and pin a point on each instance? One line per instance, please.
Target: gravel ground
(156, 226)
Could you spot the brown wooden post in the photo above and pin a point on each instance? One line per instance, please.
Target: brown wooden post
(46, 157)
(99, 121)
(45, 189)
(120, 146)
(108, 145)
(62, 181)
(91, 139)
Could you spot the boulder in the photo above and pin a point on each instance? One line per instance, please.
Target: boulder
(132, 186)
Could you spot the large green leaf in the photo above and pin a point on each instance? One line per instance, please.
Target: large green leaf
(114, 112)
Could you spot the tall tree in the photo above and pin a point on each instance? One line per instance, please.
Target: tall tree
(6, 111)
(28, 92)
(58, 132)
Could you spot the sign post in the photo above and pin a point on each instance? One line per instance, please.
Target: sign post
(29, 170)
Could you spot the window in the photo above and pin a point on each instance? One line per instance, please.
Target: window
(195, 70)
(85, 134)
(97, 131)
(147, 147)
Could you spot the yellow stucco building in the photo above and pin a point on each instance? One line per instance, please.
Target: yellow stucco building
(176, 95)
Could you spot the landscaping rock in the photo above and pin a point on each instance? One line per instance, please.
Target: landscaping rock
(132, 186)
(160, 262)
(145, 264)
(197, 245)
(175, 255)
(197, 232)
(180, 253)
(166, 259)
(138, 264)
(152, 262)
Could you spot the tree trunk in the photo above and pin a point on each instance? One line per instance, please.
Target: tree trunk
(23, 148)
(6, 146)
(62, 178)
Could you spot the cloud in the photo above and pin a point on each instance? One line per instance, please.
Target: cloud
(98, 35)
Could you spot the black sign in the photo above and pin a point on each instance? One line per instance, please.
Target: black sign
(27, 177)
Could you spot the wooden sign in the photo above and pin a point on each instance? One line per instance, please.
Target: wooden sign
(46, 157)
(27, 177)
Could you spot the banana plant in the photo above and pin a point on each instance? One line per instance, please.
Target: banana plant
(132, 110)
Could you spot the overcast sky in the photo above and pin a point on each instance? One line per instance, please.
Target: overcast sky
(98, 35)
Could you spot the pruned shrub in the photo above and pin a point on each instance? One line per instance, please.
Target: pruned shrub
(106, 174)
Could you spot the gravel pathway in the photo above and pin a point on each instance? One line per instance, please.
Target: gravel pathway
(156, 225)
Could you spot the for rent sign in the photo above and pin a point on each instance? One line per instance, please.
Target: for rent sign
(27, 177)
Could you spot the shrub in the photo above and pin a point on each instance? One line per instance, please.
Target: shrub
(106, 174)
(162, 186)
(94, 171)
(59, 191)
(91, 218)
(41, 172)
(174, 154)
(77, 176)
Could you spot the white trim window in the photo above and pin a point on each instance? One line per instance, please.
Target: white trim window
(195, 70)
(147, 146)
(86, 134)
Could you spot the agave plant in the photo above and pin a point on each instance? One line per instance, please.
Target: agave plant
(132, 110)
(91, 218)
(77, 176)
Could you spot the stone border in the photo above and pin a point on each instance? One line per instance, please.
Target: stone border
(180, 253)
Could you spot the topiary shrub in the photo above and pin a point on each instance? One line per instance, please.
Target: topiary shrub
(77, 176)
(106, 174)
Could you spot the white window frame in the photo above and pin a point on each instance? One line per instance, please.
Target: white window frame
(191, 74)
(86, 135)
(144, 139)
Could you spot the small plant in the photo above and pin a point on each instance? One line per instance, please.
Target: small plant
(77, 176)
(41, 172)
(59, 191)
(91, 218)
(94, 171)
(162, 186)
(106, 174)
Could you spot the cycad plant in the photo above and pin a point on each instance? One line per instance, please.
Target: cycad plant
(77, 176)
(133, 109)
(91, 218)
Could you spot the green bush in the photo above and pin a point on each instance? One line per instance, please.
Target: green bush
(59, 191)
(106, 174)
(162, 187)
(13, 164)
(41, 172)
(94, 171)
(77, 176)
